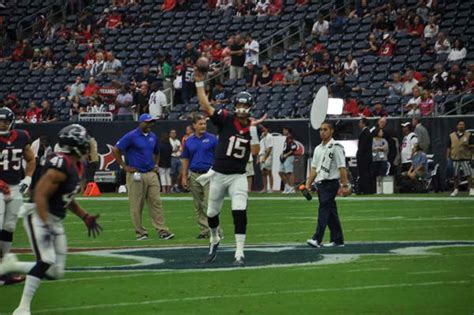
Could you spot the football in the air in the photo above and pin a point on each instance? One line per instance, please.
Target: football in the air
(202, 64)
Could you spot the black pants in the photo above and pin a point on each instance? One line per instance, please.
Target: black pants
(327, 213)
(365, 184)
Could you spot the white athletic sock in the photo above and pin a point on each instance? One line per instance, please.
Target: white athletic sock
(31, 285)
(23, 267)
(239, 245)
(214, 237)
(5, 247)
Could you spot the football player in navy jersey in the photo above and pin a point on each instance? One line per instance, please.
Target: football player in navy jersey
(53, 194)
(238, 138)
(14, 147)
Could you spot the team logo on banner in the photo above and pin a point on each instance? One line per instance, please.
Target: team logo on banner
(107, 159)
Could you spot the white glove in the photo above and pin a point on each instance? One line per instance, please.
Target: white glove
(205, 178)
(24, 184)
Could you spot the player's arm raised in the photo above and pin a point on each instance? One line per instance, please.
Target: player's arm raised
(201, 93)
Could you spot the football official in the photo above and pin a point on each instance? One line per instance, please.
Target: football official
(328, 168)
(198, 157)
(141, 150)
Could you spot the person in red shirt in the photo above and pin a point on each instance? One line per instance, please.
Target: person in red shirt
(274, 8)
(217, 53)
(301, 3)
(350, 107)
(168, 5)
(91, 88)
(114, 20)
(362, 110)
(33, 114)
(388, 46)
(89, 58)
(415, 28)
(278, 77)
(17, 54)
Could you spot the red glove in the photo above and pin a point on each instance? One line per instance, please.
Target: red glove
(5, 189)
(93, 227)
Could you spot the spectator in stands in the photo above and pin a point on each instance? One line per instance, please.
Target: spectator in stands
(77, 88)
(412, 108)
(298, 64)
(416, 28)
(454, 83)
(422, 133)
(458, 52)
(35, 63)
(33, 114)
(410, 82)
(274, 7)
(28, 51)
(396, 87)
(340, 90)
(324, 65)
(337, 66)
(63, 32)
(362, 110)
(224, 4)
(301, 3)
(237, 53)
(309, 67)
(427, 104)
(99, 65)
(48, 114)
(379, 111)
(245, 8)
(372, 46)
(48, 60)
(124, 102)
(379, 165)
(157, 101)
(351, 67)
(261, 7)
(402, 19)
(278, 77)
(250, 75)
(216, 53)
(408, 144)
(17, 54)
(438, 81)
(336, 23)
(219, 95)
(114, 19)
(264, 78)
(73, 59)
(442, 45)
(320, 27)
(291, 76)
(425, 49)
(188, 90)
(112, 64)
(388, 46)
(168, 5)
(140, 99)
(97, 105)
(251, 49)
(75, 109)
(381, 24)
(431, 29)
(91, 88)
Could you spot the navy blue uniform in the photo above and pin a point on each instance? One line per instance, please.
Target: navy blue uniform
(59, 201)
(11, 155)
(233, 148)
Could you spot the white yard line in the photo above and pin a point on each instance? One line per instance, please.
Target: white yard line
(427, 272)
(257, 294)
(368, 269)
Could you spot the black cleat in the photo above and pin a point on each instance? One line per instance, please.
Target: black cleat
(212, 252)
(239, 262)
(202, 236)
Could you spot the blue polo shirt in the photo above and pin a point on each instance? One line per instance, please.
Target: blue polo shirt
(139, 149)
(200, 152)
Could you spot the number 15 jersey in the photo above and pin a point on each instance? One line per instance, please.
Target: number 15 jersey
(233, 147)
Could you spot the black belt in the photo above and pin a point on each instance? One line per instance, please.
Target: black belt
(326, 181)
(199, 172)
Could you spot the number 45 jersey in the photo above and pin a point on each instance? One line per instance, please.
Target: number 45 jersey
(59, 201)
(11, 156)
(233, 148)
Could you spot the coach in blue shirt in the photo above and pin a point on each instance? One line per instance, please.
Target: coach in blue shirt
(141, 151)
(198, 157)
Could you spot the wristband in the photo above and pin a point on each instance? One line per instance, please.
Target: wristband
(199, 84)
(254, 136)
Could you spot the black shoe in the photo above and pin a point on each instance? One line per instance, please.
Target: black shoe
(212, 252)
(166, 235)
(239, 262)
(202, 236)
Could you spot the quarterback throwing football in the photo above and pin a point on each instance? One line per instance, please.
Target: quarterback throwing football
(238, 138)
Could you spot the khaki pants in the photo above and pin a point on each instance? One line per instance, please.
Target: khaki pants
(148, 189)
(200, 197)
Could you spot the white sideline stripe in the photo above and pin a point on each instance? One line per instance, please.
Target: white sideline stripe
(427, 272)
(208, 297)
(297, 198)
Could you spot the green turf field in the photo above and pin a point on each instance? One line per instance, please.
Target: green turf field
(403, 255)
